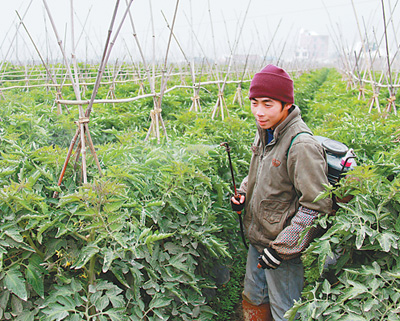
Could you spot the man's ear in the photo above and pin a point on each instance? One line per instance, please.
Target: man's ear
(287, 106)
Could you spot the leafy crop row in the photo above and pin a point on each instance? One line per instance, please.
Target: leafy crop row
(154, 237)
(139, 243)
(353, 269)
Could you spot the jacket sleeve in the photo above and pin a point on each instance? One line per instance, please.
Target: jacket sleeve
(287, 243)
(243, 185)
(307, 169)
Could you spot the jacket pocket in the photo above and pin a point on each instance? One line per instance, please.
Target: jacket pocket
(274, 211)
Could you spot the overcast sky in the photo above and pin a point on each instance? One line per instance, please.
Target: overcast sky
(209, 27)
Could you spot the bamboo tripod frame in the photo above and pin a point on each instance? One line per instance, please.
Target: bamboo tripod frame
(238, 96)
(82, 131)
(220, 107)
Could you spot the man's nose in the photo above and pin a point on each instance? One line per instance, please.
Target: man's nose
(260, 112)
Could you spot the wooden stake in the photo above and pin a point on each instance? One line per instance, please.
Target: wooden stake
(392, 99)
(84, 117)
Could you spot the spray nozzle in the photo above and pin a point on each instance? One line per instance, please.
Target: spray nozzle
(226, 145)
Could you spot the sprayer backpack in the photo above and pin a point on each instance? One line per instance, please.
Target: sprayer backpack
(340, 158)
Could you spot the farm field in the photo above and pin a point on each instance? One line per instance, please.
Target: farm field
(153, 237)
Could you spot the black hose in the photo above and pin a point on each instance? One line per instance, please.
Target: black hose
(242, 232)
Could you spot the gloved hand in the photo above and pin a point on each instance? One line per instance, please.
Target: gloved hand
(269, 259)
(237, 203)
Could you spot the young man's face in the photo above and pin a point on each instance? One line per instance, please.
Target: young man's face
(269, 112)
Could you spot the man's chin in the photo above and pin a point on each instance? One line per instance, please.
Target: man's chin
(264, 126)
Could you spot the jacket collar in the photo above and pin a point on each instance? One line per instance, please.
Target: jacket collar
(282, 127)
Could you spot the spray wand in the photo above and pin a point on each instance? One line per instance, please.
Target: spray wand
(236, 195)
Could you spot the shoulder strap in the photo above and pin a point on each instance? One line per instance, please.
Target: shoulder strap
(291, 143)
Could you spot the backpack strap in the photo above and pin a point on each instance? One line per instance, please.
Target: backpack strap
(291, 143)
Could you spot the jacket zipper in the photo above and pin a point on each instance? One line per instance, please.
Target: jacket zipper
(260, 165)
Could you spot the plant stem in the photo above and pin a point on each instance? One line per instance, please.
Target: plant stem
(33, 245)
(91, 274)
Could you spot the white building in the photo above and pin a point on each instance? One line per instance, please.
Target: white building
(312, 46)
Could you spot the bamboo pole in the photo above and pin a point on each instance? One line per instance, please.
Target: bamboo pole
(82, 120)
(85, 119)
(195, 99)
(221, 104)
(374, 89)
(75, 86)
(156, 116)
(127, 100)
(13, 39)
(152, 89)
(53, 80)
(392, 98)
(196, 90)
(238, 95)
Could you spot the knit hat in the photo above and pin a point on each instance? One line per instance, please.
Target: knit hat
(272, 82)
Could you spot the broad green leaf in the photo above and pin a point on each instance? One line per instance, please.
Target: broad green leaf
(53, 245)
(324, 250)
(4, 297)
(360, 237)
(101, 303)
(27, 205)
(54, 188)
(367, 305)
(117, 314)
(387, 240)
(33, 179)
(55, 311)
(35, 278)
(173, 287)
(109, 256)
(7, 171)
(119, 275)
(114, 206)
(144, 233)
(353, 317)
(85, 255)
(67, 301)
(326, 287)
(2, 252)
(173, 203)
(177, 262)
(159, 301)
(78, 316)
(14, 233)
(15, 283)
(43, 228)
(26, 316)
(355, 289)
(157, 237)
(156, 203)
(61, 230)
(117, 300)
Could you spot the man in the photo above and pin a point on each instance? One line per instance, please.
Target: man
(287, 172)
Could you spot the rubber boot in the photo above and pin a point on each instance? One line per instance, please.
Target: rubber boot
(256, 312)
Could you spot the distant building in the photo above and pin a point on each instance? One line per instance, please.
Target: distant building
(312, 46)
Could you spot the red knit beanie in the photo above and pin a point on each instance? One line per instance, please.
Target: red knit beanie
(272, 82)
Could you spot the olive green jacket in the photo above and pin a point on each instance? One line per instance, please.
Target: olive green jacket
(280, 181)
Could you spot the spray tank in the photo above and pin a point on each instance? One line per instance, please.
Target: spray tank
(340, 158)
